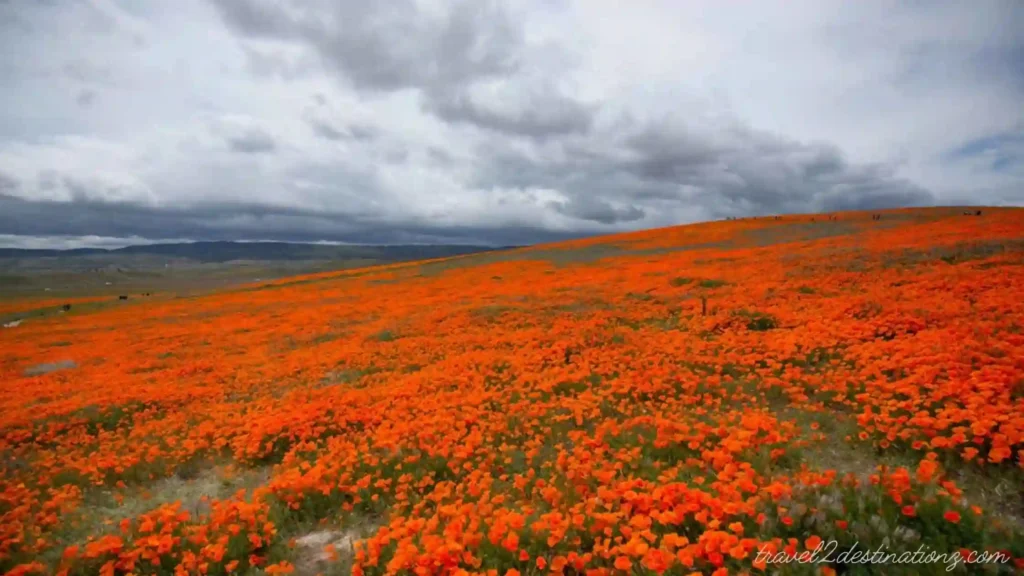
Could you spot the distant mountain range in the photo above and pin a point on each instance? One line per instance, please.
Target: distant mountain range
(219, 252)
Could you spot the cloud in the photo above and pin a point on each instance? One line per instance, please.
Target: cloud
(465, 58)
(80, 218)
(73, 242)
(85, 98)
(597, 210)
(252, 142)
(244, 135)
(496, 120)
(724, 170)
(1000, 151)
(362, 133)
(7, 183)
(988, 144)
(387, 46)
(325, 130)
(991, 166)
(88, 73)
(538, 116)
(279, 61)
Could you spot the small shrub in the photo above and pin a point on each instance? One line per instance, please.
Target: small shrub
(759, 321)
(385, 336)
(762, 323)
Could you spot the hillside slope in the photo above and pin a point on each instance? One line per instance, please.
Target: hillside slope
(698, 398)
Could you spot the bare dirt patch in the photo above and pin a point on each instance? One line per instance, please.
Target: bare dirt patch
(329, 551)
(47, 367)
(102, 511)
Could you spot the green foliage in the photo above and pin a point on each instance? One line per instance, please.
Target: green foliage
(758, 321)
(712, 283)
(385, 336)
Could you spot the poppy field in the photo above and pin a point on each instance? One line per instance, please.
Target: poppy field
(684, 400)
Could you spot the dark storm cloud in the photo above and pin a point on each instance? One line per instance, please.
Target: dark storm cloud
(725, 172)
(84, 216)
(252, 141)
(597, 210)
(387, 45)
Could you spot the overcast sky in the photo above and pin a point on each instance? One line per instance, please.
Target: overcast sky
(493, 122)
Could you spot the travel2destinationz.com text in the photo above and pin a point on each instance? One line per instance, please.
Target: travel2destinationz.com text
(829, 552)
